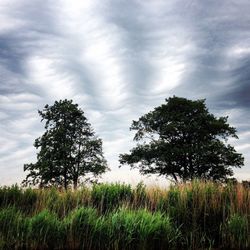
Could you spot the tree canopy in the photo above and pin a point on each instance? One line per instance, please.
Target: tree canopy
(68, 149)
(182, 140)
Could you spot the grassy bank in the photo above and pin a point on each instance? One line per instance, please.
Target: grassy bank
(115, 216)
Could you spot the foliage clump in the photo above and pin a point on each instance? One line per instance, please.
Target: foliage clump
(69, 150)
(182, 140)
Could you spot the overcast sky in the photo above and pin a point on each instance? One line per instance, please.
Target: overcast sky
(118, 59)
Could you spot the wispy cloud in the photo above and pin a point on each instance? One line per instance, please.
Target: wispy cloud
(118, 60)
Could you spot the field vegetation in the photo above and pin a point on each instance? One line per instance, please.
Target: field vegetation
(198, 215)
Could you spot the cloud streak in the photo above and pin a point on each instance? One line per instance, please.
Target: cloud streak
(118, 60)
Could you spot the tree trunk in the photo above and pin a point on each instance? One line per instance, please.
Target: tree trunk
(65, 178)
(175, 178)
(65, 183)
(75, 184)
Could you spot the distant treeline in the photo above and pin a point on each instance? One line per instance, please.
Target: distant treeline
(198, 215)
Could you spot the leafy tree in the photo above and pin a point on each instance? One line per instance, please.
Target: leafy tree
(69, 149)
(182, 140)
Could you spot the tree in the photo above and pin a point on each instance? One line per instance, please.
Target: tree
(182, 140)
(69, 149)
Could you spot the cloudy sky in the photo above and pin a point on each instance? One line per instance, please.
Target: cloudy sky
(119, 59)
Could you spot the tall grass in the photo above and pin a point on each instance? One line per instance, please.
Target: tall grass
(237, 231)
(198, 215)
(109, 196)
(81, 226)
(13, 228)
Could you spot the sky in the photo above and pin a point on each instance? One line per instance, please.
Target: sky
(118, 59)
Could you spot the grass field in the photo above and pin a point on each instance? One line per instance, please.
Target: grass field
(116, 216)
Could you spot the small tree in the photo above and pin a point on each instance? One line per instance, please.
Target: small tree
(69, 148)
(181, 139)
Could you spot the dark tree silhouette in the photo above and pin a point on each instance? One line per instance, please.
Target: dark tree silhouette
(69, 148)
(181, 139)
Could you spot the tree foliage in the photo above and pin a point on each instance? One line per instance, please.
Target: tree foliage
(69, 149)
(182, 140)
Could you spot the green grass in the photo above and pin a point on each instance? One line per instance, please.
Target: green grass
(199, 215)
(110, 196)
(237, 231)
(45, 230)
